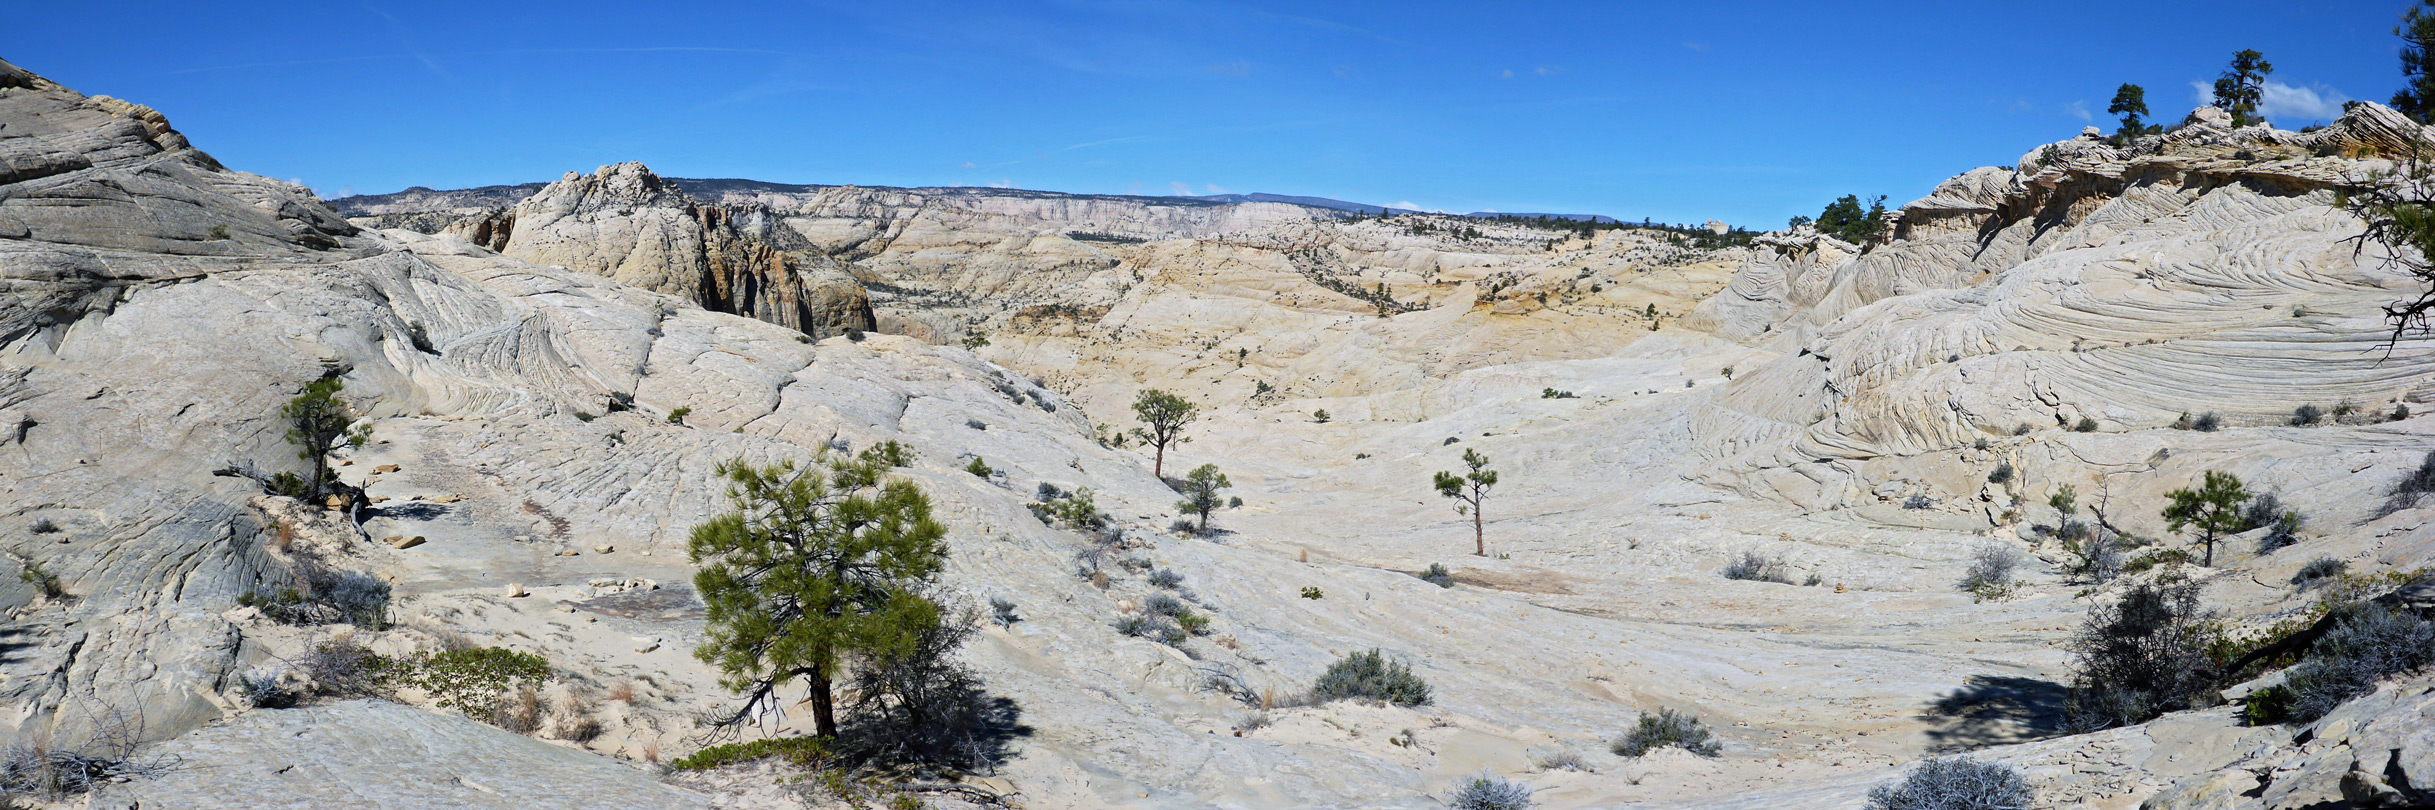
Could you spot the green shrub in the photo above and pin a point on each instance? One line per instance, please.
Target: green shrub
(1312, 592)
(2002, 474)
(1074, 510)
(1371, 676)
(471, 680)
(1438, 575)
(1754, 567)
(2086, 425)
(2320, 568)
(2307, 415)
(1668, 728)
(2267, 705)
(808, 753)
(2367, 644)
(677, 417)
(42, 579)
(979, 468)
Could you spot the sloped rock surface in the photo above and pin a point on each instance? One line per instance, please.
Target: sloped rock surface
(376, 754)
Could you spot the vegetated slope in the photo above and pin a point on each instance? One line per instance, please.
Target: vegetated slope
(528, 410)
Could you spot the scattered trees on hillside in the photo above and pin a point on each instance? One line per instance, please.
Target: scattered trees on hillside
(1470, 490)
(2131, 102)
(2214, 508)
(1845, 219)
(2242, 85)
(2416, 98)
(1164, 416)
(817, 564)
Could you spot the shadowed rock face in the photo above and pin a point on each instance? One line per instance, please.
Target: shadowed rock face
(626, 223)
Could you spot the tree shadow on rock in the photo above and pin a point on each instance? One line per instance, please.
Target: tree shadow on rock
(1991, 710)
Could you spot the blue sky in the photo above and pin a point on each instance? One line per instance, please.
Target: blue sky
(1747, 112)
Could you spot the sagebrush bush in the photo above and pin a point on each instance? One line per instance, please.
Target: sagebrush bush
(1560, 759)
(1990, 572)
(1438, 575)
(1755, 567)
(1486, 792)
(1371, 676)
(2367, 643)
(2319, 569)
(1955, 783)
(1668, 728)
(2139, 657)
(1166, 578)
(2086, 425)
(2307, 415)
(266, 688)
(1002, 611)
(2002, 474)
(346, 669)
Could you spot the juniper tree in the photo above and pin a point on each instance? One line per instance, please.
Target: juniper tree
(1470, 490)
(2214, 508)
(1201, 493)
(2242, 85)
(817, 565)
(1165, 416)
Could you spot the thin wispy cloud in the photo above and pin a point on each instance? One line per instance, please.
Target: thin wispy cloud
(1180, 188)
(2277, 101)
(2079, 110)
(408, 44)
(1215, 189)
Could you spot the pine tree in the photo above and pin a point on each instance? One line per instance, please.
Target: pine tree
(2242, 84)
(2417, 32)
(1471, 490)
(817, 565)
(2214, 508)
(318, 423)
(2130, 102)
(1201, 493)
(1165, 416)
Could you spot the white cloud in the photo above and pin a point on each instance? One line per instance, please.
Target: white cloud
(1179, 188)
(1003, 183)
(1407, 205)
(1504, 74)
(1214, 189)
(1547, 71)
(2300, 104)
(971, 165)
(2284, 102)
(2078, 109)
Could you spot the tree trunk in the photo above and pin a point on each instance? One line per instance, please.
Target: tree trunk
(1479, 529)
(1159, 468)
(824, 706)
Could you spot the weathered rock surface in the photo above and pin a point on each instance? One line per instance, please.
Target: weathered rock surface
(519, 420)
(376, 754)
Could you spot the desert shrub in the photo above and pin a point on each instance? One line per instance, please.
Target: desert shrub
(2419, 482)
(979, 468)
(2207, 422)
(46, 526)
(2002, 474)
(2319, 569)
(1956, 783)
(2096, 557)
(920, 707)
(361, 599)
(1438, 575)
(976, 424)
(2366, 644)
(472, 680)
(1980, 444)
(1560, 759)
(2156, 558)
(519, 711)
(1159, 604)
(2139, 657)
(677, 417)
(2400, 412)
(2085, 425)
(1139, 626)
(266, 688)
(1075, 510)
(2307, 415)
(1990, 572)
(2021, 429)
(1166, 578)
(1668, 728)
(1484, 792)
(326, 597)
(1313, 592)
(345, 668)
(889, 454)
(1755, 567)
(854, 335)
(1371, 676)
(1918, 502)
(42, 579)
(571, 718)
(1183, 526)
(1550, 393)
(1002, 611)
(802, 752)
